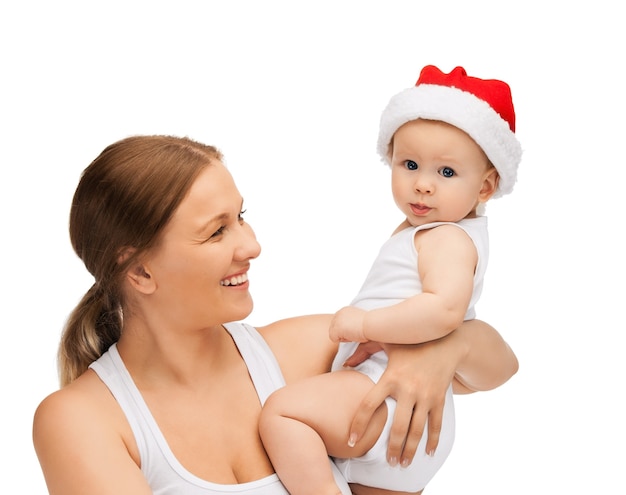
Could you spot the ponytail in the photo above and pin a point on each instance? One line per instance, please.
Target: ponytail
(124, 199)
(93, 326)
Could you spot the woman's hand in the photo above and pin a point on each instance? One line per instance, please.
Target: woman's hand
(362, 352)
(417, 377)
(473, 357)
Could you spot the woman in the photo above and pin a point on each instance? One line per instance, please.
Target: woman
(161, 393)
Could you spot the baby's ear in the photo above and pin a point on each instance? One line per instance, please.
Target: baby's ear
(490, 184)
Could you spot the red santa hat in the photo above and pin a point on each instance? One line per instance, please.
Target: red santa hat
(483, 108)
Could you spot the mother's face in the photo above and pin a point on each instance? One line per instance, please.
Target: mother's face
(200, 268)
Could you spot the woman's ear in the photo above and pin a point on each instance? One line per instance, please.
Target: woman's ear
(137, 274)
(139, 278)
(490, 184)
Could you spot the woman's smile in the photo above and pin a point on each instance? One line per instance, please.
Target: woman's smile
(235, 280)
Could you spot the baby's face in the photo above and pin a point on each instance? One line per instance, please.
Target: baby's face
(439, 173)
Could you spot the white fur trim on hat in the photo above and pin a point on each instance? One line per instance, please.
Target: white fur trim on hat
(460, 109)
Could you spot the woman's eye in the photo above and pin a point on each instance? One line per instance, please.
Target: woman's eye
(218, 232)
(447, 172)
(411, 165)
(240, 217)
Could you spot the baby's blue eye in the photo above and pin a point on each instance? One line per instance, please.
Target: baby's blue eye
(411, 165)
(447, 172)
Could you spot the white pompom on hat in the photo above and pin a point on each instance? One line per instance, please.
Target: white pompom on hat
(483, 108)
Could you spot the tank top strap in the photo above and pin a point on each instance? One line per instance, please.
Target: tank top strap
(259, 358)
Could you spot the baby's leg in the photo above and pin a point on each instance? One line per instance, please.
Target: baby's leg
(303, 423)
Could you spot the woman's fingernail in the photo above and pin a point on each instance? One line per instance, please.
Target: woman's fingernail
(352, 440)
(405, 463)
(393, 461)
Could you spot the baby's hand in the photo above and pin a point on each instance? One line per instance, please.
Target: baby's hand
(347, 325)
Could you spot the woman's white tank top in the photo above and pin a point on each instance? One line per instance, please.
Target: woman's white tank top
(164, 473)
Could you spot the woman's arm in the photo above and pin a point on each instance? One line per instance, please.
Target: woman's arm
(487, 360)
(301, 345)
(474, 357)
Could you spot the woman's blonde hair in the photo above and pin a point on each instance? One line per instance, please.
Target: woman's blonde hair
(124, 199)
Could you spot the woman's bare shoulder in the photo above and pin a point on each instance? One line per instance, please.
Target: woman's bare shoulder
(81, 435)
(74, 407)
(66, 399)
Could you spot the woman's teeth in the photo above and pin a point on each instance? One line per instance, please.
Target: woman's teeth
(238, 280)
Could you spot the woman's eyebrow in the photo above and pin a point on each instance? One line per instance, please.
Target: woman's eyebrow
(221, 218)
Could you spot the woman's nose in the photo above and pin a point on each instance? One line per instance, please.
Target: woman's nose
(249, 247)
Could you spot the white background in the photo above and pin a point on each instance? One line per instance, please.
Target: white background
(292, 92)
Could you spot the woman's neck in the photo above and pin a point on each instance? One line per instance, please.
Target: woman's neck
(156, 356)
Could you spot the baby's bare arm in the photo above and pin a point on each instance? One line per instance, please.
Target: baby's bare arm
(447, 260)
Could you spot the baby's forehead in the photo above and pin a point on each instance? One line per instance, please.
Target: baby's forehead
(436, 138)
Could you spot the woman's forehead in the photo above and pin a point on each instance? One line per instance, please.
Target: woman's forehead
(213, 194)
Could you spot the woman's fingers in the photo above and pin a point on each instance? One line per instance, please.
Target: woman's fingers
(370, 403)
(418, 380)
(435, 421)
(403, 418)
(363, 351)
